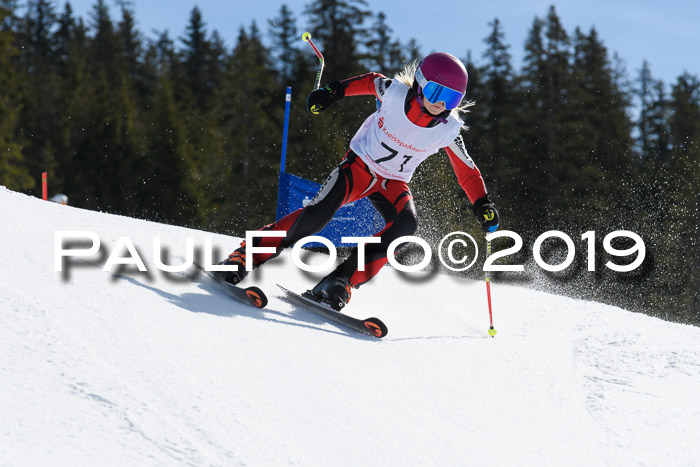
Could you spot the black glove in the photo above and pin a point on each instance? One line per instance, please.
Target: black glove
(486, 214)
(322, 99)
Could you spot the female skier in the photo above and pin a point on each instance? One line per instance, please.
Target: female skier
(419, 114)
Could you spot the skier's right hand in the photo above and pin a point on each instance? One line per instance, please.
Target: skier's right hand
(322, 99)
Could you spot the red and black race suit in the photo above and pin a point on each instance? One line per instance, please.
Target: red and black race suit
(353, 180)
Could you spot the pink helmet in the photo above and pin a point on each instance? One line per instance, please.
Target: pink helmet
(445, 69)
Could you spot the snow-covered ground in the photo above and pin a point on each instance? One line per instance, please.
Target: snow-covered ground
(132, 368)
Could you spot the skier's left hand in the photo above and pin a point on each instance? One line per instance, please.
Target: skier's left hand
(323, 98)
(486, 214)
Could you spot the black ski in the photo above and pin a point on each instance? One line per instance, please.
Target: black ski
(250, 295)
(370, 326)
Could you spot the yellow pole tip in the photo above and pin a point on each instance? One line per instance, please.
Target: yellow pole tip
(492, 332)
(306, 36)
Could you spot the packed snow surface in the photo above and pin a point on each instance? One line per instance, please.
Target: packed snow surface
(131, 368)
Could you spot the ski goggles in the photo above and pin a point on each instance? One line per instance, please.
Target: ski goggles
(435, 92)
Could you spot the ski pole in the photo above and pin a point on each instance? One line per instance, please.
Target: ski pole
(492, 331)
(307, 38)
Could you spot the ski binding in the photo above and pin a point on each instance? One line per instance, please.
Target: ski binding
(371, 326)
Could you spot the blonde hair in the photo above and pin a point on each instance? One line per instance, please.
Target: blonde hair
(407, 76)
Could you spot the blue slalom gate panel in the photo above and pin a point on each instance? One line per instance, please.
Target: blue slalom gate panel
(356, 219)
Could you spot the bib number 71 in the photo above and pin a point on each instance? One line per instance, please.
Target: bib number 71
(392, 154)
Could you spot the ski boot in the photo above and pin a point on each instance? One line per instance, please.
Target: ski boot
(334, 290)
(237, 258)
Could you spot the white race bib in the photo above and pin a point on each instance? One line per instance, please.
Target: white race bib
(393, 146)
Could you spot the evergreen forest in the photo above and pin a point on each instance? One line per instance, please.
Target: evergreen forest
(187, 130)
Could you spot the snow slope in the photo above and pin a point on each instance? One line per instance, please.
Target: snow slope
(131, 368)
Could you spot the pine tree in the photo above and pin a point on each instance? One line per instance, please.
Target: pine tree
(556, 79)
(75, 93)
(202, 64)
(397, 57)
(217, 59)
(600, 132)
(682, 175)
(8, 18)
(644, 93)
(379, 46)
(174, 193)
(338, 28)
(14, 172)
(670, 197)
(659, 117)
(557, 169)
(173, 196)
(131, 47)
(40, 88)
(197, 61)
(532, 119)
(284, 36)
(250, 107)
(498, 155)
(413, 51)
(108, 156)
(653, 145)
